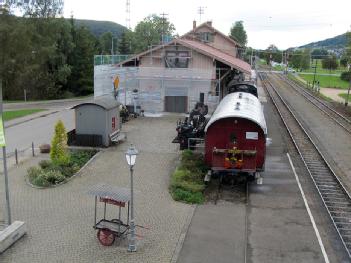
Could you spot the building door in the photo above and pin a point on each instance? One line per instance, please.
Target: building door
(176, 104)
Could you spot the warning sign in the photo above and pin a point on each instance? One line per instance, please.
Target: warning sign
(2, 134)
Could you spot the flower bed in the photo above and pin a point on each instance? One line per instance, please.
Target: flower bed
(50, 173)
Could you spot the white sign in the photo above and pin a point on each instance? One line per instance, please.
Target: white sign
(252, 135)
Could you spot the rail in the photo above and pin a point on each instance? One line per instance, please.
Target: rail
(334, 195)
(336, 116)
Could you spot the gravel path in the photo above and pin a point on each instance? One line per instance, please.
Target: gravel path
(334, 94)
(60, 220)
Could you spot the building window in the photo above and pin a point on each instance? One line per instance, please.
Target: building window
(177, 59)
(205, 36)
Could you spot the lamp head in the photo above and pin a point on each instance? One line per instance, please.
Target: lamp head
(131, 155)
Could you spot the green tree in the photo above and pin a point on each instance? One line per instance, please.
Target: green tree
(59, 152)
(80, 82)
(238, 33)
(149, 32)
(330, 63)
(43, 8)
(124, 46)
(300, 59)
(106, 43)
(272, 53)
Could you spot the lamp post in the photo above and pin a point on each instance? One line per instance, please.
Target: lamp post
(131, 155)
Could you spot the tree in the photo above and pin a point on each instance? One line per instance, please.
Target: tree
(80, 82)
(124, 46)
(300, 59)
(43, 8)
(59, 153)
(238, 33)
(149, 32)
(330, 63)
(272, 53)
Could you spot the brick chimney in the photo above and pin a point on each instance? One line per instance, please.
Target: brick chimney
(209, 23)
(194, 24)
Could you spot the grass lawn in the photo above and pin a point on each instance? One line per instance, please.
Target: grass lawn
(321, 70)
(344, 95)
(327, 81)
(9, 115)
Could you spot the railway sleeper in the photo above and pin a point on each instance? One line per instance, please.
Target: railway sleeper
(342, 220)
(335, 199)
(340, 214)
(344, 232)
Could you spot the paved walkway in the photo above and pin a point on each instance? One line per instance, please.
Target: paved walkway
(334, 94)
(60, 219)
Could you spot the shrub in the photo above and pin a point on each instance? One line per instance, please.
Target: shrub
(187, 183)
(188, 197)
(59, 153)
(53, 177)
(45, 164)
(346, 76)
(41, 177)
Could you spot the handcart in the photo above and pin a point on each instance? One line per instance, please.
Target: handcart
(108, 230)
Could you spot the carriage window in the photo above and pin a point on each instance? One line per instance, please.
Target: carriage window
(232, 137)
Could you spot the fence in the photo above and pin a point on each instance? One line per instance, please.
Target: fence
(20, 154)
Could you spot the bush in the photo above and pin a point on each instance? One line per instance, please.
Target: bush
(346, 76)
(44, 178)
(51, 173)
(188, 197)
(59, 153)
(187, 182)
(45, 164)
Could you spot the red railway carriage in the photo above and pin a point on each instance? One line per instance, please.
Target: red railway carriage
(235, 139)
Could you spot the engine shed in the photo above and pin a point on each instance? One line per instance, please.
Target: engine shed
(235, 138)
(97, 122)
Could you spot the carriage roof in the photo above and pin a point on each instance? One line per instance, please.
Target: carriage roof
(241, 105)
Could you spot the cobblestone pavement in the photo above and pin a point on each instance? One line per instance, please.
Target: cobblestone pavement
(59, 220)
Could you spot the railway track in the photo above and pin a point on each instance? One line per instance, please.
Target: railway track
(331, 190)
(337, 117)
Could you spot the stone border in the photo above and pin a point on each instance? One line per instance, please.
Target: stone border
(66, 180)
(181, 239)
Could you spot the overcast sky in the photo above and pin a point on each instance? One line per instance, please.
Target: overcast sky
(283, 23)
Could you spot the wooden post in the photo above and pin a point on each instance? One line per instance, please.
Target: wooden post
(16, 156)
(33, 149)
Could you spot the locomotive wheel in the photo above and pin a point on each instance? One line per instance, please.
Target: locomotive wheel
(106, 237)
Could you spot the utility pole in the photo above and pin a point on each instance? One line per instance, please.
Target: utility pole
(3, 146)
(128, 14)
(163, 27)
(314, 75)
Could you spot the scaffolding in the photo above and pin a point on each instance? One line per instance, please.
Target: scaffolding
(154, 84)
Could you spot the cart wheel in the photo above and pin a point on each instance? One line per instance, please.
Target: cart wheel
(106, 237)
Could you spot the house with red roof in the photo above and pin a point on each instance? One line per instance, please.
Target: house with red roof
(174, 76)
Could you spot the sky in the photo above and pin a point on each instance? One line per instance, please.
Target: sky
(282, 23)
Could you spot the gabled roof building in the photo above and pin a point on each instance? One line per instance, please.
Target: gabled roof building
(174, 76)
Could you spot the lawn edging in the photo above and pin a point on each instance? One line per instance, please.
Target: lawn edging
(66, 179)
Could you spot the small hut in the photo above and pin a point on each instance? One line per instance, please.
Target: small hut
(97, 122)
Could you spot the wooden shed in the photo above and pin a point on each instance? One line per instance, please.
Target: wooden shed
(97, 122)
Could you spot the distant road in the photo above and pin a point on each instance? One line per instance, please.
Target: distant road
(46, 104)
(40, 130)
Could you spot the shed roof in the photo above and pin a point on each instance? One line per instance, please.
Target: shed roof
(241, 105)
(111, 192)
(105, 102)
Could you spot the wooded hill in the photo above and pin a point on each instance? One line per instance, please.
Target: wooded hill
(330, 43)
(97, 28)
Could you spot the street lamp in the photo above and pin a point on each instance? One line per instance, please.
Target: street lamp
(131, 155)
